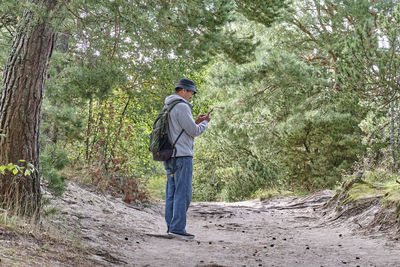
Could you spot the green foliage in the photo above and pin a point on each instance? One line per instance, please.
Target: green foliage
(287, 113)
(302, 140)
(318, 144)
(206, 185)
(156, 187)
(369, 58)
(61, 123)
(10, 14)
(228, 166)
(53, 158)
(264, 12)
(95, 79)
(16, 169)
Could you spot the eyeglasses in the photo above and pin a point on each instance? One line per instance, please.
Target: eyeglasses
(190, 91)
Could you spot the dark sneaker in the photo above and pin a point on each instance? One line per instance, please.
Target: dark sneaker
(181, 235)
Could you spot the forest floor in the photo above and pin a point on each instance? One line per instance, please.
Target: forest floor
(84, 228)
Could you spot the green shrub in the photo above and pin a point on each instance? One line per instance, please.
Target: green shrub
(53, 159)
(156, 187)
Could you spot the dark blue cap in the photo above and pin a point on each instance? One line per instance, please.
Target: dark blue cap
(186, 84)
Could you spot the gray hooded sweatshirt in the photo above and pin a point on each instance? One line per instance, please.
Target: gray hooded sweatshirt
(181, 118)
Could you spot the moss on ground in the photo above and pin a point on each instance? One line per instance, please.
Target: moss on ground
(360, 191)
(372, 185)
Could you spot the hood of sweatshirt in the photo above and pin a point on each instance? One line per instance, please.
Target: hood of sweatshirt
(171, 98)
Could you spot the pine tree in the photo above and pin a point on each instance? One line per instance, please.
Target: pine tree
(20, 106)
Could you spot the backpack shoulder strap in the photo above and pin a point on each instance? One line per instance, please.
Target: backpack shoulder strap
(173, 104)
(169, 108)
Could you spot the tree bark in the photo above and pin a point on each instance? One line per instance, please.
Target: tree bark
(397, 110)
(392, 117)
(20, 107)
(89, 128)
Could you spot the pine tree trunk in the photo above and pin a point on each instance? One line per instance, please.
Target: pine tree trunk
(89, 128)
(392, 117)
(398, 131)
(20, 106)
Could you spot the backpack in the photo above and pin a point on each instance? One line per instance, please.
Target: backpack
(160, 144)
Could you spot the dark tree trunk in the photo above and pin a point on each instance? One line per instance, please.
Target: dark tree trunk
(392, 117)
(89, 128)
(20, 105)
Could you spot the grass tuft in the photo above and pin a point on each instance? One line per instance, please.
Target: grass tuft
(264, 194)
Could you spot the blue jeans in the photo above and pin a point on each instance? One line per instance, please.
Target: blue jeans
(178, 193)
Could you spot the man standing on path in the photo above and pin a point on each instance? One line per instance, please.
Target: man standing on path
(179, 168)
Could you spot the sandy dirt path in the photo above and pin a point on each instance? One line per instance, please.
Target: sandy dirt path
(276, 232)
